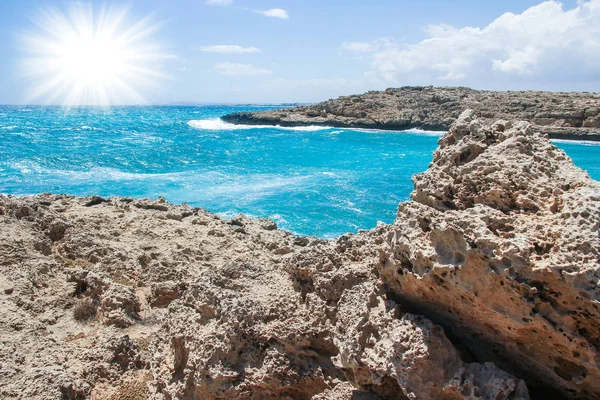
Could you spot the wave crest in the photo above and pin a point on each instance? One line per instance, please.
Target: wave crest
(217, 124)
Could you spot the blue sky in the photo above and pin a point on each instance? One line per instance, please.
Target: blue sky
(271, 51)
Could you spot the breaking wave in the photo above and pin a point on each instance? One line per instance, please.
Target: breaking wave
(576, 142)
(217, 124)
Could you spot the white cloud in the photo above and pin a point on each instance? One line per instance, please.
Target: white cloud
(274, 13)
(361, 47)
(367, 47)
(219, 2)
(229, 49)
(546, 43)
(233, 69)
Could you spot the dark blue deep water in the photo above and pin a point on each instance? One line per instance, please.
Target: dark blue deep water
(318, 181)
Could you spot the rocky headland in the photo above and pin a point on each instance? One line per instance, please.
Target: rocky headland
(485, 287)
(560, 115)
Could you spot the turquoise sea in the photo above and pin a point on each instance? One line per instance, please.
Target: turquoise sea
(317, 181)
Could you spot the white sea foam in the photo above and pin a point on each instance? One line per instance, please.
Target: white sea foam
(96, 174)
(218, 124)
(584, 142)
(204, 184)
(414, 130)
(251, 186)
(425, 132)
(14, 131)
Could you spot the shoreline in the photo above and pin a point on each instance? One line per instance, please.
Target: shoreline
(212, 125)
(243, 119)
(574, 134)
(562, 115)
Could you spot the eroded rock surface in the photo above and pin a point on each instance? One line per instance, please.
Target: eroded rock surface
(501, 247)
(486, 287)
(132, 302)
(560, 115)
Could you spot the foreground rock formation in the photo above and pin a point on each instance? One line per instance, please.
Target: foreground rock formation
(501, 247)
(485, 287)
(559, 115)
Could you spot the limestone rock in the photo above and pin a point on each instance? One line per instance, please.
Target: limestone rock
(182, 313)
(561, 115)
(501, 248)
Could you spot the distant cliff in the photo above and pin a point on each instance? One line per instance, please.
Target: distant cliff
(563, 115)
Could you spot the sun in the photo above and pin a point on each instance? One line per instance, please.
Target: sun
(88, 56)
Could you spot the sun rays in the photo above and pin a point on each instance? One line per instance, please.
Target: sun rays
(89, 56)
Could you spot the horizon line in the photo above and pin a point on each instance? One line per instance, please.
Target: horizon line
(181, 104)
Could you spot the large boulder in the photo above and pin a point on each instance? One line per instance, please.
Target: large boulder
(501, 247)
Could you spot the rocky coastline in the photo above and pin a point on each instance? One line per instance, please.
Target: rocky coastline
(487, 286)
(560, 115)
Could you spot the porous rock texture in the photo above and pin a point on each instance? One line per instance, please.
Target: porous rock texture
(485, 287)
(501, 247)
(559, 114)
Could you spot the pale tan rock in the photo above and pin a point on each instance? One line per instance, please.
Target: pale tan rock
(383, 349)
(501, 248)
(559, 114)
(182, 313)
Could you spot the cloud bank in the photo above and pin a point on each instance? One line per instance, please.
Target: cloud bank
(545, 43)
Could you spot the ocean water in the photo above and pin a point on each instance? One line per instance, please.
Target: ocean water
(311, 180)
